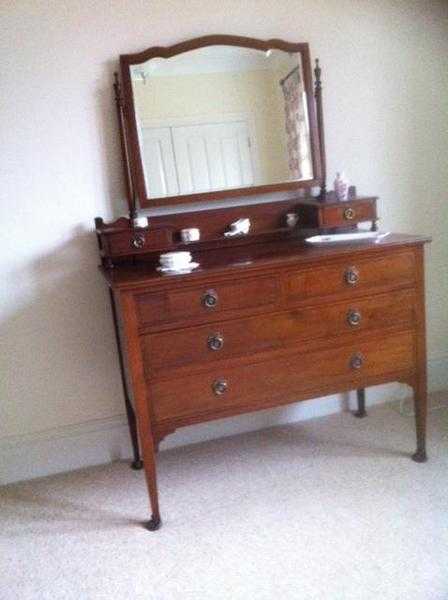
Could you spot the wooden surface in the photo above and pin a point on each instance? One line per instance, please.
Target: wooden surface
(248, 259)
(287, 323)
(268, 222)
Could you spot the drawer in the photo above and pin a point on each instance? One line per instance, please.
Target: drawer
(207, 302)
(347, 213)
(230, 390)
(230, 339)
(353, 277)
(133, 242)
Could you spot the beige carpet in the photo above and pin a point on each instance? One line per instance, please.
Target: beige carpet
(327, 509)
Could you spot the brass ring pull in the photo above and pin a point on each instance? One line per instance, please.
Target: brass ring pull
(353, 317)
(349, 214)
(219, 387)
(138, 241)
(356, 361)
(215, 341)
(352, 276)
(210, 299)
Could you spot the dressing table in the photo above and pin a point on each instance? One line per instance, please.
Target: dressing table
(267, 318)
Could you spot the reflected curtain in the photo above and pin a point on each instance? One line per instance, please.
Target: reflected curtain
(296, 126)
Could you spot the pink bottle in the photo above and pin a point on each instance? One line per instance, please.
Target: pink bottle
(341, 187)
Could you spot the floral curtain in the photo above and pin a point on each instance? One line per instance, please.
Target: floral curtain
(299, 159)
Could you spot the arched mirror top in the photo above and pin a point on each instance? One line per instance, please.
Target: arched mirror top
(219, 117)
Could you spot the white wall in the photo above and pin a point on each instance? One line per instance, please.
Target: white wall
(386, 109)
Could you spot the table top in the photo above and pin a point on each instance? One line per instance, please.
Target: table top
(251, 258)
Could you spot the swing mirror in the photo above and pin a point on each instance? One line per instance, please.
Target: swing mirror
(219, 117)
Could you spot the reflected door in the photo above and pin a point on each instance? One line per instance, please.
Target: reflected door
(213, 156)
(158, 161)
(198, 158)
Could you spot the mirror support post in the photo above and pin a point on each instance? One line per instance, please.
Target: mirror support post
(130, 192)
(320, 127)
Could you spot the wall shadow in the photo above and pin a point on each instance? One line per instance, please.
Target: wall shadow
(59, 355)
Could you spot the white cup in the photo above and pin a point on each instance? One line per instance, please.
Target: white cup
(190, 235)
(175, 260)
(292, 219)
(140, 222)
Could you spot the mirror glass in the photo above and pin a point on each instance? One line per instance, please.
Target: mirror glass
(221, 117)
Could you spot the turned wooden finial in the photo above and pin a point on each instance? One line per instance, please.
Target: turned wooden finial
(320, 127)
(130, 190)
(317, 81)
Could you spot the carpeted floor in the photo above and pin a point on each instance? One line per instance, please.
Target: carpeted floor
(330, 509)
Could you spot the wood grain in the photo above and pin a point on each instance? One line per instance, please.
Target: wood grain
(282, 314)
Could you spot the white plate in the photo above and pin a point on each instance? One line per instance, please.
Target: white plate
(346, 237)
(174, 271)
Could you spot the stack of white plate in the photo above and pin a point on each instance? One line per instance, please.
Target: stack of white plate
(176, 262)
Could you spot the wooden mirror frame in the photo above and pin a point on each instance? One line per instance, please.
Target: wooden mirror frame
(136, 185)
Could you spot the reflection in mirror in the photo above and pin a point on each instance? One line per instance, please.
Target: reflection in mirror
(221, 117)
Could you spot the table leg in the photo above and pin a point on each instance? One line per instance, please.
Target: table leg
(361, 395)
(132, 424)
(421, 409)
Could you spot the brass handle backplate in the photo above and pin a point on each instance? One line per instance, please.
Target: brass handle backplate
(138, 241)
(353, 317)
(210, 299)
(356, 361)
(215, 341)
(351, 276)
(219, 387)
(349, 214)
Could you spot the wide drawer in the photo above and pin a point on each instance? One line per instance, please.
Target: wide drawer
(352, 277)
(252, 386)
(231, 339)
(206, 302)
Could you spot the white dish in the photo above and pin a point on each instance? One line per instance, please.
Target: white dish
(346, 237)
(178, 270)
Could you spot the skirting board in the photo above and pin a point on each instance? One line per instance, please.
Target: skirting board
(99, 442)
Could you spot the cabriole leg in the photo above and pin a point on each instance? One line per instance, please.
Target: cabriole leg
(421, 409)
(361, 395)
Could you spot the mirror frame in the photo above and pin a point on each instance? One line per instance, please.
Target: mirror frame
(132, 146)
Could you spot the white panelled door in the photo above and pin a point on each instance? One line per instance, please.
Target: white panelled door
(158, 162)
(197, 158)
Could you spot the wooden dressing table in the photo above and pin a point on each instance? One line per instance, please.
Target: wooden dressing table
(267, 319)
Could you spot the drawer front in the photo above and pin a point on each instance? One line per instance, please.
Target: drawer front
(208, 302)
(223, 390)
(352, 277)
(133, 242)
(231, 339)
(347, 213)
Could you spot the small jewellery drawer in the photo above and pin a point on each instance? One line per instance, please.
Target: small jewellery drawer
(353, 275)
(206, 302)
(233, 389)
(346, 213)
(231, 339)
(134, 241)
